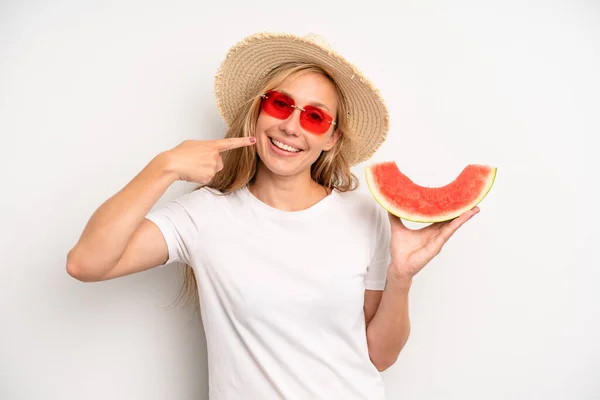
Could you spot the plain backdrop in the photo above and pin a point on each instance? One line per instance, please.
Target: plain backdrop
(90, 91)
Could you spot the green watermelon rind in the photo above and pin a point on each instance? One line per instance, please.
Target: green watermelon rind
(424, 219)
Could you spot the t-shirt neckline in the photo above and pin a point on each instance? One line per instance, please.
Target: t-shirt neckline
(315, 209)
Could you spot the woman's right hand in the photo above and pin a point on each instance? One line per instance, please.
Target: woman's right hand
(118, 240)
(197, 161)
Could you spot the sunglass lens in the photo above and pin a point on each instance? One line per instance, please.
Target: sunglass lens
(278, 105)
(313, 120)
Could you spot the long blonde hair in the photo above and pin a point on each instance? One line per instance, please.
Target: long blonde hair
(331, 169)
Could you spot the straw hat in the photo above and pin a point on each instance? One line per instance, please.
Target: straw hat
(248, 61)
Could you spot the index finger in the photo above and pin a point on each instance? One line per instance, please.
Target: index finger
(234, 143)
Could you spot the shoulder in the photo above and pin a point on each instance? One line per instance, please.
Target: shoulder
(202, 197)
(359, 199)
(197, 195)
(363, 205)
(365, 217)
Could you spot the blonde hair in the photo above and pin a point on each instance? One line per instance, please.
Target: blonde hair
(331, 169)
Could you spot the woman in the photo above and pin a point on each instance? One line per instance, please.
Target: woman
(303, 282)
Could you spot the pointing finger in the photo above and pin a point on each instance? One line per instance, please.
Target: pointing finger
(234, 143)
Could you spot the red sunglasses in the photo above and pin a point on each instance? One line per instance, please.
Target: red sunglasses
(281, 106)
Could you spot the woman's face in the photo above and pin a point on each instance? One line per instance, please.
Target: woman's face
(283, 145)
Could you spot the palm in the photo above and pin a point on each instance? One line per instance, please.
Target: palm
(412, 249)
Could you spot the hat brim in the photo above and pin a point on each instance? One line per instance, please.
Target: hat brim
(247, 62)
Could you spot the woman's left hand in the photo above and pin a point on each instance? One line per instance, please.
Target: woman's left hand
(412, 249)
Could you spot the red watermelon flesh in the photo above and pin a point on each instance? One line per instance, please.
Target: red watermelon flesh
(402, 197)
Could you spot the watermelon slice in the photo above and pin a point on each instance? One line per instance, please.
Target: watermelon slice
(399, 195)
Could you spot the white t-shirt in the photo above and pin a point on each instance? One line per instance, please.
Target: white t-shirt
(282, 293)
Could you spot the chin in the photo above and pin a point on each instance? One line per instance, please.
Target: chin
(282, 164)
(281, 167)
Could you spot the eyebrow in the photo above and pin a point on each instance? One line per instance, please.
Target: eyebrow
(316, 103)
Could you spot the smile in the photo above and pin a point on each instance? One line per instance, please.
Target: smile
(284, 146)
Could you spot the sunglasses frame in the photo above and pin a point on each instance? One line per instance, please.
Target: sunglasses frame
(302, 110)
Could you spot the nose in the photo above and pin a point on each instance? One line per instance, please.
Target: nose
(291, 125)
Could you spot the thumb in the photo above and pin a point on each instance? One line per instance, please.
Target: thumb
(396, 222)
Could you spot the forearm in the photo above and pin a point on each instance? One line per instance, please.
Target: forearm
(112, 225)
(389, 329)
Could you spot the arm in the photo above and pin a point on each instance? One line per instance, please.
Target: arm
(388, 323)
(117, 239)
(411, 250)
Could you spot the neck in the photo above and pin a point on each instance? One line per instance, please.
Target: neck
(287, 193)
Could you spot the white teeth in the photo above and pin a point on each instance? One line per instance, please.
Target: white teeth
(284, 146)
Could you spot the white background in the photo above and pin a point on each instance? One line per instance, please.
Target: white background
(91, 91)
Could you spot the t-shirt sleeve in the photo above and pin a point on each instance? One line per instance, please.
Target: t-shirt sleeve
(377, 269)
(176, 222)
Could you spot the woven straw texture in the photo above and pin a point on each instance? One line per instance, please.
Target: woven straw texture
(248, 61)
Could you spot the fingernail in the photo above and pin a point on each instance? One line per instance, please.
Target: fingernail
(252, 139)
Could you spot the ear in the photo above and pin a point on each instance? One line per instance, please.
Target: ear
(332, 140)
